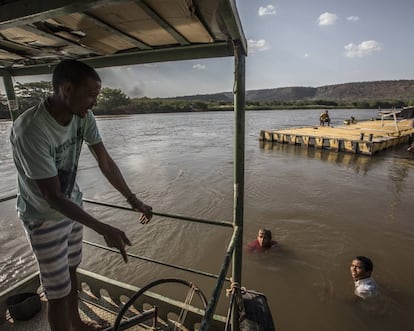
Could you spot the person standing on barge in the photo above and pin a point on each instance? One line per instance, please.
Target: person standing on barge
(46, 142)
(324, 118)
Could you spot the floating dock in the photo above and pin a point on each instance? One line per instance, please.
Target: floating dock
(367, 137)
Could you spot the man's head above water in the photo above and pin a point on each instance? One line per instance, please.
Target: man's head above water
(361, 267)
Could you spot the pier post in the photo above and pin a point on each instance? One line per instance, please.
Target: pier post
(319, 142)
(334, 145)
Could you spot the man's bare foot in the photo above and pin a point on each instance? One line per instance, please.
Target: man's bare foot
(91, 326)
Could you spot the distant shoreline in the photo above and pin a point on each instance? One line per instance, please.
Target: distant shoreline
(4, 117)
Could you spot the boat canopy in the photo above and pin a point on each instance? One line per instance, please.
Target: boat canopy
(35, 35)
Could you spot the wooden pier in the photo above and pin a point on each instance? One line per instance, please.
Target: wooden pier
(367, 137)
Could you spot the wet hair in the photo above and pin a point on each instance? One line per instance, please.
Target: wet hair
(366, 262)
(267, 233)
(72, 71)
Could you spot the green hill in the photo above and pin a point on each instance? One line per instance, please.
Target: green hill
(348, 92)
(384, 94)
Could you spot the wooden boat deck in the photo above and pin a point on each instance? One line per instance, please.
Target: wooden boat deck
(39, 322)
(367, 137)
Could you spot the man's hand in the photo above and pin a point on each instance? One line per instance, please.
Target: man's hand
(146, 213)
(117, 238)
(138, 205)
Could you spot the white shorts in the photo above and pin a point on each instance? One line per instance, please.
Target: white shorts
(57, 246)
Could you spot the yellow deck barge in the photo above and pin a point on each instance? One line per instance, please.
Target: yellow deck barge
(367, 137)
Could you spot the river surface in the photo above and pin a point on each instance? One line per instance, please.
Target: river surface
(323, 208)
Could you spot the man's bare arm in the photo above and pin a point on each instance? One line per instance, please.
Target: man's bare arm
(50, 189)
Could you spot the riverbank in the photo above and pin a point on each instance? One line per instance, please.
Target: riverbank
(4, 116)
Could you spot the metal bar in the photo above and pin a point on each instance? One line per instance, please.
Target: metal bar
(231, 19)
(9, 48)
(11, 45)
(239, 103)
(181, 217)
(11, 197)
(205, 323)
(184, 218)
(26, 51)
(135, 256)
(20, 12)
(11, 96)
(219, 49)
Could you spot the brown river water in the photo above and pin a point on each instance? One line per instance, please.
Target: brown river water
(323, 208)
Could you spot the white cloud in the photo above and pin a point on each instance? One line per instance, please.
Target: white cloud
(363, 49)
(258, 45)
(306, 55)
(327, 19)
(199, 66)
(136, 91)
(352, 18)
(268, 10)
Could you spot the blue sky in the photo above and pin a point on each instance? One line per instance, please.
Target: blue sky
(293, 43)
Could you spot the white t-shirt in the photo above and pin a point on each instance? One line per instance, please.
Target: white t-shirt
(366, 288)
(42, 148)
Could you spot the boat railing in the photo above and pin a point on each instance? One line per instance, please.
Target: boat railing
(391, 113)
(10, 197)
(220, 277)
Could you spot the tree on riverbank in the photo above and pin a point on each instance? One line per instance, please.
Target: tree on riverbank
(115, 101)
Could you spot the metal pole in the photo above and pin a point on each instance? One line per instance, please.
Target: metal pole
(143, 258)
(11, 197)
(11, 96)
(175, 216)
(208, 316)
(238, 207)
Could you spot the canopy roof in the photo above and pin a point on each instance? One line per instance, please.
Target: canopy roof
(35, 35)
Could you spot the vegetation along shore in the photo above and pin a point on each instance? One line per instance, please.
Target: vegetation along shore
(363, 95)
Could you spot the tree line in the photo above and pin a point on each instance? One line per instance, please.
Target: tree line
(114, 102)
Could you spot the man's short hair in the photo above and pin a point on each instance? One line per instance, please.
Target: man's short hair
(266, 233)
(72, 71)
(366, 262)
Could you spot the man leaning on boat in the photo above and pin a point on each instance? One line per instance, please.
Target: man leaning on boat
(46, 142)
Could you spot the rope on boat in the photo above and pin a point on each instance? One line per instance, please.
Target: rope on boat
(153, 284)
(183, 312)
(252, 310)
(234, 293)
(220, 280)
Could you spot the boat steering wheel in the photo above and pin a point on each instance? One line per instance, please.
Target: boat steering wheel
(178, 324)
